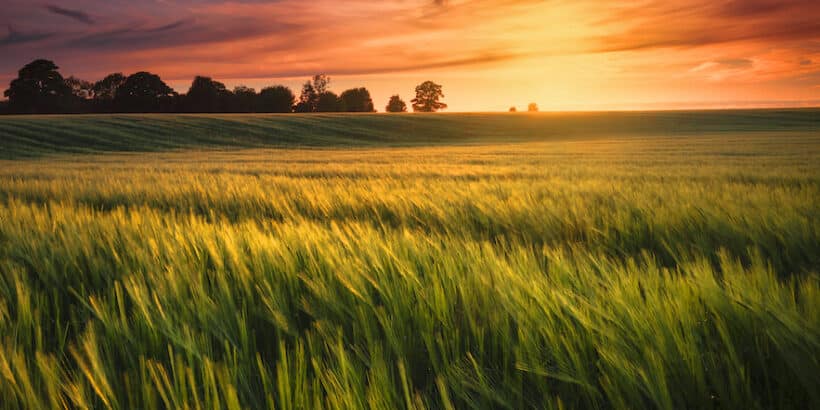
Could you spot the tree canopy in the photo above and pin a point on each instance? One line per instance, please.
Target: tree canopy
(396, 104)
(106, 88)
(327, 101)
(427, 98)
(312, 91)
(38, 89)
(244, 99)
(276, 99)
(321, 83)
(207, 95)
(356, 100)
(144, 92)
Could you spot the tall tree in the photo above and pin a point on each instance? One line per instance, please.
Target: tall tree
(312, 91)
(144, 92)
(396, 104)
(276, 99)
(321, 83)
(307, 99)
(38, 88)
(356, 100)
(427, 98)
(206, 95)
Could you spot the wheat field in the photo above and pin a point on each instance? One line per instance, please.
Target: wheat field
(669, 269)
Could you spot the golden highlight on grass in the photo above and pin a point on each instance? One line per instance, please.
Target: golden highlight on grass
(652, 272)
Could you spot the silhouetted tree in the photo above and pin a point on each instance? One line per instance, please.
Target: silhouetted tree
(206, 95)
(311, 93)
(106, 88)
(533, 107)
(244, 99)
(512, 109)
(328, 101)
(276, 99)
(321, 83)
(144, 92)
(4, 107)
(356, 100)
(307, 99)
(427, 98)
(395, 105)
(38, 88)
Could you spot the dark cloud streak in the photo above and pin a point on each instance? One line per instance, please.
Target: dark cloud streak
(462, 61)
(178, 33)
(167, 27)
(77, 15)
(15, 37)
(125, 37)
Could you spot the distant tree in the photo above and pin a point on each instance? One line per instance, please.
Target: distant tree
(275, 99)
(106, 88)
(356, 100)
(395, 105)
(4, 107)
(144, 92)
(512, 109)
(207, 95)
(427, 98)
(328, 101)
(244, 99)
(311, 92)
(533, 107)
(38, 88)
(321, 83)
(307, 99)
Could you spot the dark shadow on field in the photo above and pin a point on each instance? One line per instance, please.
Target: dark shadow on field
(33, 136)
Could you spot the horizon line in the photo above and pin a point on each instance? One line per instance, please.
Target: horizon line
(523, 112)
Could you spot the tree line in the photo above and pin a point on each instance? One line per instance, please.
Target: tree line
(40, 89)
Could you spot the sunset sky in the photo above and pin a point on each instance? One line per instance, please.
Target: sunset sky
(488, 54)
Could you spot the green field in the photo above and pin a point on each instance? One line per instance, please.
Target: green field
(28, 136)
(611, 260)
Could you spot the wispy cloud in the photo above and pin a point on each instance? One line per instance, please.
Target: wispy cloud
(14, 37)
(77, 15)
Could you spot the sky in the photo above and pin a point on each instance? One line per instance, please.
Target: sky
(488, 55)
